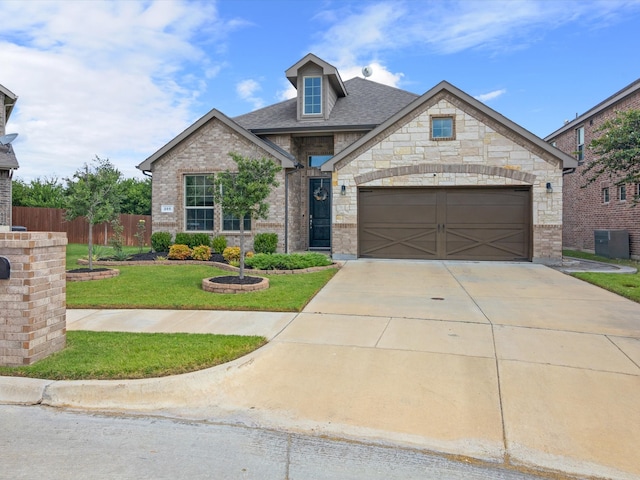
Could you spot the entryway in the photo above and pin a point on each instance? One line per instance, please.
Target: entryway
(320, 213)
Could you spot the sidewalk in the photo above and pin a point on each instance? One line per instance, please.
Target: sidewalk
(508, 363)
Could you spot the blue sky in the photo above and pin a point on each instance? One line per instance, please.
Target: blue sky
(120, 79)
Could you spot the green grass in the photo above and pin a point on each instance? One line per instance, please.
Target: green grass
(120, 355)
(180, 287)
(625, 285)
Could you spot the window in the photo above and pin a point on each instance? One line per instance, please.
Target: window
(622, 193)
(580, 143)
(605, 195)
(312, 95)
(442, 128)
(232, 223)
(318, 160)
(198, 202)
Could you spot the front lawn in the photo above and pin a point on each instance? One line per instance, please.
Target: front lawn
(180, 287)
(625, 285)
(120, 355)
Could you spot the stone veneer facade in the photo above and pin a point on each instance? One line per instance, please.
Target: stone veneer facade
(33, 299)
(483, 153)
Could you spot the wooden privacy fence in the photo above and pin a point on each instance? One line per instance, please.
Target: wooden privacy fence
(36, 219)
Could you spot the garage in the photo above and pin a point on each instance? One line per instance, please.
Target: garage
(465, 223)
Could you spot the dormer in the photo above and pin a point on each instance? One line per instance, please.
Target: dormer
(319, 86)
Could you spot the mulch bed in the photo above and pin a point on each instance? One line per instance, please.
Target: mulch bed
(86, 270)
(235, 280)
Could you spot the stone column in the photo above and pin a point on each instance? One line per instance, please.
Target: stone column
(33, 298)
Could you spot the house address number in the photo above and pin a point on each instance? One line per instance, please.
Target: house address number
(166, 208)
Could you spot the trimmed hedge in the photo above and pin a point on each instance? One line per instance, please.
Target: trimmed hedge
(265, 243)
(282, 261)
(160, 241)
(193, 239)
(219, 243)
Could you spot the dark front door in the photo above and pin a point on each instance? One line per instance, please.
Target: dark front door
(320, 213)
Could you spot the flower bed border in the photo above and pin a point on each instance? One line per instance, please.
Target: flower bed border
(96, 275)
(213, 287)
(222, 266)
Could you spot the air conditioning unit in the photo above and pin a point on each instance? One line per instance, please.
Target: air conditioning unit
(612, 243)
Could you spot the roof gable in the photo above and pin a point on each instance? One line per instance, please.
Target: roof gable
(9, 101)
(285, 160)
(367, 105)
(328, 70)
(464, 102)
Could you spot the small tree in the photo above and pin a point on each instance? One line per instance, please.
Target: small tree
(244, 193)
(617, 150)
(93, 194)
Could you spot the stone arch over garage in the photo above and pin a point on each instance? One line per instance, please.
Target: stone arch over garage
(427, 168)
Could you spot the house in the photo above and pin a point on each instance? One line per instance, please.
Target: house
(372, 171)
(602, 205)
(8, 161)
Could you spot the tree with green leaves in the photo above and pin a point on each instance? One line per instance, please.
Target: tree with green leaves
(93, 194)
(41, 192)
(136, 196)
(244, 192)
(617, 150)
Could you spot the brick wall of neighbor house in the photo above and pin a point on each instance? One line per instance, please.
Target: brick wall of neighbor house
(584, 209)
(479, 155)
(33, 299)
(206, 152)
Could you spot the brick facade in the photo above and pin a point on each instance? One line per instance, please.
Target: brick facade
(33, 299)
(584, 207)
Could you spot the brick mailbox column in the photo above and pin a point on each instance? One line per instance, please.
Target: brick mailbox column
(33, 298)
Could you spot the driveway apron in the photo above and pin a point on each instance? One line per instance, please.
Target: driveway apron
(511, 363)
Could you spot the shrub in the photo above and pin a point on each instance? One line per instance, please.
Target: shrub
(219, 243)
(232, 254)
(201, 252)
(179, 252)
(265, 242)
(193, 240)
(293, 261)
(160, 241)
(198, 239)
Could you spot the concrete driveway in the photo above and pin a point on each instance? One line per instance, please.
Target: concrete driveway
(508, 363)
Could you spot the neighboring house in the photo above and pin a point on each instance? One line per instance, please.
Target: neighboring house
(373, 171)
(602, 205)
(8, 161)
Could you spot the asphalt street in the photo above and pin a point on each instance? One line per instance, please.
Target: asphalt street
(42, 442)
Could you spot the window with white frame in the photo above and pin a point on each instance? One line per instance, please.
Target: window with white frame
(198, 202)
(318, 160)
(622, 193)
(312, 95)
(442, 128)
(605, 195)
(580, 143)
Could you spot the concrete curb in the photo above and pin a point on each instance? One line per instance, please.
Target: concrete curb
(22, 391)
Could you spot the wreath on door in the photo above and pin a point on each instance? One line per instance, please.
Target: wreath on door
(320, 193)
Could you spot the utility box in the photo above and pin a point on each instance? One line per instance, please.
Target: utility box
(612, 243)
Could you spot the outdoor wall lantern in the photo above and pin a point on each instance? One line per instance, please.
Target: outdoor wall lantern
(549, 188)
(343, 190)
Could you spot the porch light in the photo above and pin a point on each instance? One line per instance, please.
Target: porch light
(549, 188)
(343, 190)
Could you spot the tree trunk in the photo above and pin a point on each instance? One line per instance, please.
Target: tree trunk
(90, 246)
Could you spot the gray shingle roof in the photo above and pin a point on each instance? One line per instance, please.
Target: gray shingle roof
(366, 105)
(8, 160)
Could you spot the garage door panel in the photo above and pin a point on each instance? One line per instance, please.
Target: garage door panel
(384, 241)
(445, 223)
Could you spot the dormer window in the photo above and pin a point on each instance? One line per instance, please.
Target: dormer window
(312, 95)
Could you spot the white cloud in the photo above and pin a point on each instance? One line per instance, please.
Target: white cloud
(485, 97)
(247, 89)
(116, 80)
(288, 91)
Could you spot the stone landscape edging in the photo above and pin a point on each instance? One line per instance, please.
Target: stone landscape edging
(222, 266)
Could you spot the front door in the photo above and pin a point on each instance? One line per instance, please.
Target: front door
(320, 213)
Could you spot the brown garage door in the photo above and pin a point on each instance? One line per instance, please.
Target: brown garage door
(491, 223)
